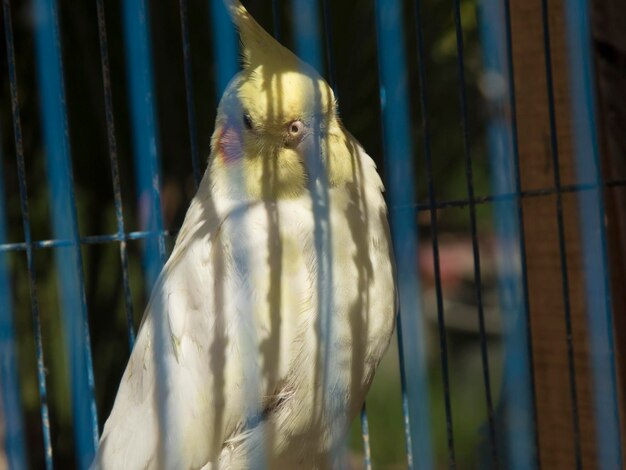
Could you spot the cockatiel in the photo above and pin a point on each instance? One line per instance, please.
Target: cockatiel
(233, 365)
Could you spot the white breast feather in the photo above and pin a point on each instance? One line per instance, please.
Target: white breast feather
(199, 299)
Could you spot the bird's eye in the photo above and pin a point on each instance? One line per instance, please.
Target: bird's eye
(296, 128)
(247, 121)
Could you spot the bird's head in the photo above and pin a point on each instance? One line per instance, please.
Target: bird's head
(275, 115)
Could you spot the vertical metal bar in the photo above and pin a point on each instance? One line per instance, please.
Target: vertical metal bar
(458, 26)
(248, 345)
(306, 32)
(65, 226)
(276, 19)
(523, 440)
(10, 399)
(554, 147)
(365, 435)
(517, 402)
(191, 110)
(400, 176)
(30, 262)
(147, 174)
(308, 47)
(225, 46)
(592, 216)
(332, 78)
(145, 137)
(330, 62)
(443, 346)
(115, 174)
(226, 52)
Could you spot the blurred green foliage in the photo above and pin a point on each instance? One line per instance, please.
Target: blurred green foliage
(355, 54)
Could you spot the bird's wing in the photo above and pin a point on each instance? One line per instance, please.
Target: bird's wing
(173, 392)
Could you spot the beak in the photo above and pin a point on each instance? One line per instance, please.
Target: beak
(311, 152)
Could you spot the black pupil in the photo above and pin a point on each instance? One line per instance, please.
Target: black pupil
(294, 128)
(247, 121)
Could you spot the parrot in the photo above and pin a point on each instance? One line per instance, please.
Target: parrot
(232, 367)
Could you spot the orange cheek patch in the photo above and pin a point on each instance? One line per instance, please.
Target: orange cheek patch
(230, 144)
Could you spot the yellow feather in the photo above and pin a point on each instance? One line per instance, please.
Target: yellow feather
(259, 47)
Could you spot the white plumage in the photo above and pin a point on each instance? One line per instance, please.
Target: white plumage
(228, 365)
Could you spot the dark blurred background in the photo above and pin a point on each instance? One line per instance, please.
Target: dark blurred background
(355, 61)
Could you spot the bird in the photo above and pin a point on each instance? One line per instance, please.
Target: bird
(265, 327)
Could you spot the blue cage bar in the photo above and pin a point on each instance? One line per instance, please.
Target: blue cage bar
(516, 401)
(65, 227)
(11, 412)
(593, 230)
(394, 101)
(145, 137)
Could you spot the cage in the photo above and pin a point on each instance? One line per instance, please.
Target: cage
(497, 126)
